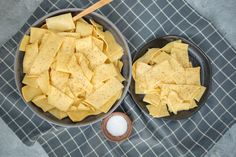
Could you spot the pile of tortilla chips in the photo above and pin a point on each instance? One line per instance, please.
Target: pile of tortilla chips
(71, 68)
(167, 79)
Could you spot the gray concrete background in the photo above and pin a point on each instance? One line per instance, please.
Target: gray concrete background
(14, 13)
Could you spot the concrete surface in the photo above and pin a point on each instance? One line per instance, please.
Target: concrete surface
(13, 14)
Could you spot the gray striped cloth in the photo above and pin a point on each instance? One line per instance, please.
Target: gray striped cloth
(139, 21)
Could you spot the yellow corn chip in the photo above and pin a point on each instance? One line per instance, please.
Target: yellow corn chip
(141, 85)
(96, 25)
(115, 51)
(158, 111)
(59, 79)
(167, 48)
(106, 107)
(84, 29)
(36, 34)
(181, 56)
(77, 116)
(182, 46)
(69, 34)
(30, 55)
(193, 76)
(98, 42)
(58, 114)
(83, 107)
(78, 79)
(46, 54)
(64, 54)
(84, 63)
(30, 81)
(59, 100)
(24, 42)
(96, 57)
(153, 99)
(84, 45)
(66, 89)
(42, 102)
(43, 82)
(104, 72)
(30, 92)
(101, 95)
(61, 22)
(160, 57)
(158, 74)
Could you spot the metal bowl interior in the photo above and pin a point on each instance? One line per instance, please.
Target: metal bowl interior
(126, 71)
(197, 57)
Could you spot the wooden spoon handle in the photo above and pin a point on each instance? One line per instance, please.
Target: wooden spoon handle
(92, 8)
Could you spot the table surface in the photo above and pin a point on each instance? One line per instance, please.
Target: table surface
(14, 13)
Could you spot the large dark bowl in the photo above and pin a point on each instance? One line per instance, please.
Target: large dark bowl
(197, 57)
(126, 71)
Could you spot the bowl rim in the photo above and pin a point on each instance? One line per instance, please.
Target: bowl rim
(206, 93)
(128, 80)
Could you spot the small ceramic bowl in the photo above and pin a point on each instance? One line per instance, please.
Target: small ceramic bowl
(117, 138)
(197, 57)
(126, 71)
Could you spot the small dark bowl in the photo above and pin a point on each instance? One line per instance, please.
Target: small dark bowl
(126, 71)
(197, 57)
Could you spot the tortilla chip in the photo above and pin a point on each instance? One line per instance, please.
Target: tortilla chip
(84, 63)
(61, 23)
(181, 46)
(175, 103)
(43, 82)
(158, 111)
(159, 74)
(181, 56)
(160, 57)
(101, 95)
(30, 81)
(98, 42)
(24, 42)
(178, 75)
(149, 55)
(193, 76)
(69, 34)
(186, 92)
(42, 102)
(84, 45)
(46, 54)
(58, 114)
(105, 108)
(96, 25)
(30, 92)
(58, 79)
(96, 57)
(79, 115)
(140, 82)
(120, 65)
(115, 51)
(167, 48)
(36, 34)
(31, 52)
(82, 107)
(64, 54)
(141, 69)
(84, 29)
(153, 99)
(104, 72)
(59, 100)
(199, 93)
(78, 79)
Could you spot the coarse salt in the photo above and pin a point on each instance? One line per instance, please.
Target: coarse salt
(117, 125)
